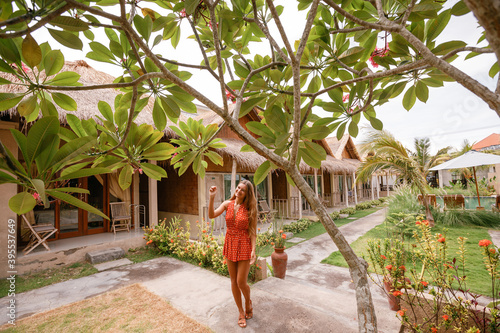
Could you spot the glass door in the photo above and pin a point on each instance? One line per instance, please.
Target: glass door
(74, 221)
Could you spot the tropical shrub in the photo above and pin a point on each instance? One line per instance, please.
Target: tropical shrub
(297, 226)
(363, 205)
(172, 239)
(454, 217)
(335, 215)
(348, 210)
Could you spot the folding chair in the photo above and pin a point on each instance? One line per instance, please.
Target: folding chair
(265, 213)
(39, 235)
(120, 216)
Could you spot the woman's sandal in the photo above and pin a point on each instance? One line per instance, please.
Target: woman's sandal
(241, 321)
(249, 313)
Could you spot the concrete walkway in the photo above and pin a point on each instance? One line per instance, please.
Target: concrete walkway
(313, 298)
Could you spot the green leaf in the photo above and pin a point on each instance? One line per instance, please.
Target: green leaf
(65, 79)
(434, 27)
(71, 190)
(422, 91)
(69, 23)
(53, 62)
(42, 130)
(191, 5)
(409, 98)
(351, 55)
(493, 70)
(214, 157)
(5, 178)
(353, 129)
(64, 101)
(260, 129)
(125, 177)
(9, 100)
(67, 39)
(87, 172)
(446, 47)
(315, 132)
(76, 125)
(76, 202)
(22, 203)
(39, 186)
(248, 105)
(105, 110)
(262, 172)
(72, 149)
(459, 9)
(27, 106)
(32, 53)
(153, 171)
(159, 116)
(341, 130)
(376, 124)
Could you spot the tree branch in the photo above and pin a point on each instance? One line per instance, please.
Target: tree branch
(307, 29)
(408, 12)
(180, 64)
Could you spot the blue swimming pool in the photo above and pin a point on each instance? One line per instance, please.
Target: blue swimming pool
(471, 202)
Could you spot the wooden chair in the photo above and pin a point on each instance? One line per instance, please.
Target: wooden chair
(496, 206)
(431, 200)
(120, 216)
(265, 213)
(39, 235)
(454, 201)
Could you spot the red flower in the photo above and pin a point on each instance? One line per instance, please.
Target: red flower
(402, 312)
(281, 231)
(345, 98)
(383, 257)
(149, 242)
(434, 330)
(397, 293)
(485, 242)
(183, 13)
(492, 251)
(445, 317)
(441, 240)
(36, 196)
(283, 236)
(204, 231)
(418, 223)
(424, 283)
(403, 268)
(171, 241)
(388, 267)
(379, 52)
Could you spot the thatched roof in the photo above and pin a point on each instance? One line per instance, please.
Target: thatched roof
(86, 100)
(338, 146)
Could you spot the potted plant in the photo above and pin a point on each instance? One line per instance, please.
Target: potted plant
(279, 258)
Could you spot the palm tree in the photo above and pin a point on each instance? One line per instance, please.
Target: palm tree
(425, 160)
(390, 155)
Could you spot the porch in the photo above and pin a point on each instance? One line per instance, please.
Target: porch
(71, 250)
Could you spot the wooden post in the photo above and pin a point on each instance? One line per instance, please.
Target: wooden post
(355, 191)
(153, 200)
(477, 191)
(346, 191)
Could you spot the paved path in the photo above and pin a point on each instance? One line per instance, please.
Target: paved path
(313, 298)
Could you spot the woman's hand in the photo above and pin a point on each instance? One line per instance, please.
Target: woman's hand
(253, 258)
(212, 191)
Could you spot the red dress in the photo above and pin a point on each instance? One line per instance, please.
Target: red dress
(237, 244)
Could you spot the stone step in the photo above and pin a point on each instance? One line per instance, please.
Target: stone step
(97, 257)
(112, 264)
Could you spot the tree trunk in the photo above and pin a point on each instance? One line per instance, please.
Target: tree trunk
(367, 320)
(428, 213)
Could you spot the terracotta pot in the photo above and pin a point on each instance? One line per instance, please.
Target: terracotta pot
(393, 300)
(279, 260)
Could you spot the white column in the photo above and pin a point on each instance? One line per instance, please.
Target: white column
(316, 182)
(354, 188)
(371, 186)
(387, 183)
(378, 188)
(202, 198)
(322, 184)
(153, 199)
(300, 205)
(440, 177)
(233, 177)
(346, 191)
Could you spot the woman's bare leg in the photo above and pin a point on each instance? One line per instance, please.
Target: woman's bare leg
(241, 279)
(233, 268)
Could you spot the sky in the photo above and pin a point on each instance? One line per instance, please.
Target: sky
(450, 115)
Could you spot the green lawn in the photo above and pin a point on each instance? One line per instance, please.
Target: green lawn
(478, 279)
(314, 230)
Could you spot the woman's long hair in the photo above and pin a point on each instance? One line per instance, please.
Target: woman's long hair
(250, 203)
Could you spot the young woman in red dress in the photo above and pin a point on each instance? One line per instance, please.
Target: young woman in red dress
(239, 244)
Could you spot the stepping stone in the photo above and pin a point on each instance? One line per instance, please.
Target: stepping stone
(343, 216)
(96, 257)
(296, 240)
(351, 218)
(112, 264)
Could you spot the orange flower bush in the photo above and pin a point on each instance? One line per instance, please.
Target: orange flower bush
(427, 282)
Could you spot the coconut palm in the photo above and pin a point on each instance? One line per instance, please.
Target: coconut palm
(390, 155)
(424, 158)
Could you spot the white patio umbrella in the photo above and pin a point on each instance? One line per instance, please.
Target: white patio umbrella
(470, 159)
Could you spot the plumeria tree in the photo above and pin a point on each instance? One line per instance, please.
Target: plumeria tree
(333, 67)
